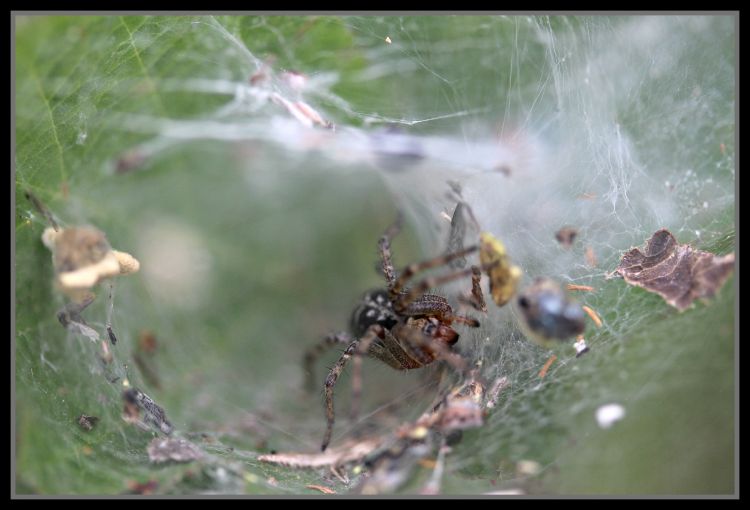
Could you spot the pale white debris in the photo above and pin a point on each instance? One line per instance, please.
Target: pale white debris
(497, 387)
(127, 262)
(508, 492)
(528, 467)
(87, 277)
(83, 329)
(81, 244)
(608, 414)
(174, 449)
(580, 346)
(296, 81)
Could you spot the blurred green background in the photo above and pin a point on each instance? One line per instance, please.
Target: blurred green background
(270, 248)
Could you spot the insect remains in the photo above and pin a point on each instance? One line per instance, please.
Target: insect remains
(141, 410)
(504, 276)
(82, 257)
(549, 315)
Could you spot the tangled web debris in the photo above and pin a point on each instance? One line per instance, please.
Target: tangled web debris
(136, 401)
(436, 430)
(82, 257)
(348, 453)
(173, 449)
(87, 423)
(387, 462)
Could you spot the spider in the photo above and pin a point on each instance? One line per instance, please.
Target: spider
(403, 328)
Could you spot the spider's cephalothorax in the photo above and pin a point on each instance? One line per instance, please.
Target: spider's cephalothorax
(374, 308)
(403, 328)
(431, 314)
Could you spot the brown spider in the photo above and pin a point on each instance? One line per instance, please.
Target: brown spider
(403, 328)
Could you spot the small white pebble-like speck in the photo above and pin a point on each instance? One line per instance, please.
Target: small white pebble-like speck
(529, 467)
(608, 414)
(580, 346)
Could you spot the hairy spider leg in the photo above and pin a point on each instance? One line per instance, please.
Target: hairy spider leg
(358, 346)
(384, 245)
(356, 388)
(476, 298)
(437, 306)
(476, 289)
(414, 342)
(311, 358)
(395, 285)
(402, 352)
(411, 270)
(313, 353)
(404, 299)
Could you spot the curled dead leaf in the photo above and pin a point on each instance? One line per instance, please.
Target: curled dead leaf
(677, 272)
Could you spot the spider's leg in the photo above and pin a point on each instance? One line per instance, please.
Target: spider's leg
(413, 269)
(356, 388)
(403, 299)
(476, 289)
(333, 376)
(357, 346)
(466, 321)
(378, 351)
(415, 343)
(384, 245)
(312, 355)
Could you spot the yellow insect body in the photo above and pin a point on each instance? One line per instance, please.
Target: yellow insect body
(504, 276)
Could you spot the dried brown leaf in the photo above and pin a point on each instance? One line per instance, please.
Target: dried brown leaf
(677, 272)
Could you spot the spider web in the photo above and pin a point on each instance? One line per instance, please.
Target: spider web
(256, 230)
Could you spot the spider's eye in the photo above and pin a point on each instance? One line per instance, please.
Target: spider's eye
(429, 329)
(523, 302)
(378, 297)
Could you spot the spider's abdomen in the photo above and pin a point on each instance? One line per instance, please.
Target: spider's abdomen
(374, 308)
